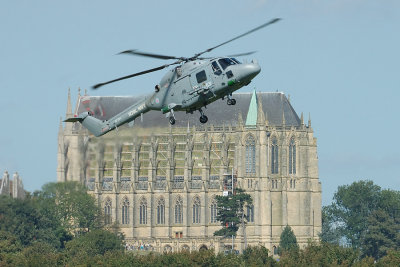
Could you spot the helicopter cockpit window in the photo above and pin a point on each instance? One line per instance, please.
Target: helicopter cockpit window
(216, 68)
(201, 76)
(234, 59)
(226, 62)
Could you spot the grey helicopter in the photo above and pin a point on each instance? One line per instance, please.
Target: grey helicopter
(192, 85)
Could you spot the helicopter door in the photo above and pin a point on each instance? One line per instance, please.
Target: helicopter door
(201, 84)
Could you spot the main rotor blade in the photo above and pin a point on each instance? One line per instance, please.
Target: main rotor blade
(240, 36)
(134, 75)
(243, 54)
(145, 54)
(234, 55)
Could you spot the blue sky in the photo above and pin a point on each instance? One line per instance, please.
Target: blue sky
(338, 60)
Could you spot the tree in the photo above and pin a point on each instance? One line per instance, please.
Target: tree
(382, 234)
(71, 205)
(351, 206)
(231, 212)
(392, 258)
(24, 221)
(96, 242)
(288, 240)
(365, 216)
(257, 256)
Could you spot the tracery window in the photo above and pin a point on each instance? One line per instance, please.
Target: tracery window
(143, 211)
(250, 155)
(292, 156)
(274, 156)
(125, 211)
(107, 211)
(213, 210)
(161, 211)
(179, 210)
(196, 210)
(250, 213)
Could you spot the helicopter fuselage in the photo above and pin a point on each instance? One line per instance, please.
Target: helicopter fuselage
(198, 83)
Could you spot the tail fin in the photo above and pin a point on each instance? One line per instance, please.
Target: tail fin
(95, 126)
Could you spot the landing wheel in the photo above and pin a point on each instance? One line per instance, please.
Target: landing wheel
(172, 120)
(203, 119)
(231, 101)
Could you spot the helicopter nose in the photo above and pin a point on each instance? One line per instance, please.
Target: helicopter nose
(250, 70)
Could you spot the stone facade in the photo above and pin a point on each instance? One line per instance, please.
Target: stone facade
(158, 182)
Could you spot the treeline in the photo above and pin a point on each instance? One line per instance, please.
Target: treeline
(59, 225)
(62, 225)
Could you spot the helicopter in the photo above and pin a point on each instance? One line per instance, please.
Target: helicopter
(193, 84)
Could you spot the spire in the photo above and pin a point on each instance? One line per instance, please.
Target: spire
(266, 119)
(251, 119)
(283, 118)
(309, 120)
(68, 114)
(302, 119)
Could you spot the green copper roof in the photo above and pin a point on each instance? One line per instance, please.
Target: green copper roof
(251, 119)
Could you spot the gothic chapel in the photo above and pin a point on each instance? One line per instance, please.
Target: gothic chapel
(158, 182)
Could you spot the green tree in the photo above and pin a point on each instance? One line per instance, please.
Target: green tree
(23, 220)
(383, 234)
(95, 242)
(71, 205)
(352, 204)
(257, 256)
(288, 240)
(231, 212)
(39, 254)
(392, 258)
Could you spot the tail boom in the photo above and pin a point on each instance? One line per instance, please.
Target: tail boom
(99, 128)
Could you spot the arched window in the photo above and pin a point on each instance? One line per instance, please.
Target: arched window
(275, 250)
(250, 155)
(125, 211)
(274, 156)
(179, 210)
(107, 211)
(292, 156)
(213, 210)
(250, 213)
(161, 211)
(143, 211)
(167, 249)
(196, 210)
